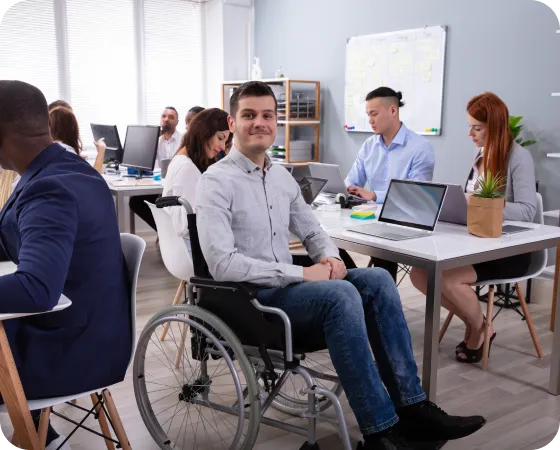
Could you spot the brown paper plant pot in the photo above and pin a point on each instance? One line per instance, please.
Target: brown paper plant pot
(485, 216)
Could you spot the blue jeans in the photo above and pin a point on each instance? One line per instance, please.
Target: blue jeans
(362, 310)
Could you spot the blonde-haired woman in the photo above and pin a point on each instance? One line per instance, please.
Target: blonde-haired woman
(7, 180)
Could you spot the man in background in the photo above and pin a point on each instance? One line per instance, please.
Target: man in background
(393, 151)
(169, 143)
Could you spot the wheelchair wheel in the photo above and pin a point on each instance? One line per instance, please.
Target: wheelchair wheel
(197, 389)
(291, 401)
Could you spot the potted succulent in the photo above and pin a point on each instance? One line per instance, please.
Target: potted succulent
(486, 207)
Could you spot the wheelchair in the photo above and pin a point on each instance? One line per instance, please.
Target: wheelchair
(227, 361)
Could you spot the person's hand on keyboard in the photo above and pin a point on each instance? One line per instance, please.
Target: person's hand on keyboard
(362, 193)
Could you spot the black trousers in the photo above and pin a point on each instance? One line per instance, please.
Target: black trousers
(389, 266)
(142, 210)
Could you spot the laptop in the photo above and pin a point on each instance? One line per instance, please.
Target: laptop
(331, 172)
(455, 206)
(311, 187)
(411, 210)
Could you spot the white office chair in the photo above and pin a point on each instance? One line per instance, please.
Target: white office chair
(173, 252)
(536, 267)
(103, 404)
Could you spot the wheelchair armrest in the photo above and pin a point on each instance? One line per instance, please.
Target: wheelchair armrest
(246, 288)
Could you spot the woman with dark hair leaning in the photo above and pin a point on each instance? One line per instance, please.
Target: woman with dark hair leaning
(207, 136)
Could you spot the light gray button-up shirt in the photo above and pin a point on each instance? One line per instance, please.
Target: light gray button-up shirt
(244, 219)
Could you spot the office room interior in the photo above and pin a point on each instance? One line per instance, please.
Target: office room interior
(126, 65)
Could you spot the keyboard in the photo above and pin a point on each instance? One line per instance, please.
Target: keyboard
(389, 232)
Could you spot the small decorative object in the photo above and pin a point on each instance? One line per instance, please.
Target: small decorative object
(257, 73)
(280, 72)
(486, 207)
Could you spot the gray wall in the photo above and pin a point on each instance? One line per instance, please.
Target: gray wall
(509, 47)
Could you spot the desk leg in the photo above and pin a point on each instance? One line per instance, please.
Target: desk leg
(132, 222)
(431, 332)
(120, 212)
(555, 360)
(14, 397)
(555, 290)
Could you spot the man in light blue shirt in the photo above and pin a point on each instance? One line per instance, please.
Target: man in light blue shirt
(392, 152)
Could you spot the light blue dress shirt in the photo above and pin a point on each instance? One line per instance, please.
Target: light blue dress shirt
(409, 157)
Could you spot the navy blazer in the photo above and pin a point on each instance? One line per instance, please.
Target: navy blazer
(60, 228)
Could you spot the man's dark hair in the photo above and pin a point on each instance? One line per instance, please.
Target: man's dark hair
(250, 89)
(196, 109)
(58, 103)
(172, 108)
(386, 92)
(23, 109)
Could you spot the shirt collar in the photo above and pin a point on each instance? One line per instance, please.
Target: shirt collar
(174, 137)
(245, 163)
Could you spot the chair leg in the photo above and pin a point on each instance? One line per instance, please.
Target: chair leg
(370, 264)
(529, 321)
(116, 420)
(15, 440)
(103, 425)
(176, 301)
(44, 427)
(445, 325)
(489, 318)
(181, 348)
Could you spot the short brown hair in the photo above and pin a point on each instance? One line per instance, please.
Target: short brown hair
(203, 126)
(64, 128)
(251, 89)
(58, 103)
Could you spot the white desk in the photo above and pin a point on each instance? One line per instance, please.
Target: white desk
(450, 246)
(122, 188)
(10, 383)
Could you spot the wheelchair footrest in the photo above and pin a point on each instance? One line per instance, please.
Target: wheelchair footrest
(308, 446)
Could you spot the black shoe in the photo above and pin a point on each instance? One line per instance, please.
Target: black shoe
(392, 440)
(425, 421)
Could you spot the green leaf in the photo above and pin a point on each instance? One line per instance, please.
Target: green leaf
(514, 121)
(490, 186)
(528, 143)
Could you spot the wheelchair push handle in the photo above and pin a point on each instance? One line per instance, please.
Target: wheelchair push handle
(164, 202)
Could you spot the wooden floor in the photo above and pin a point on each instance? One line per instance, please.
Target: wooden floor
(512, 394)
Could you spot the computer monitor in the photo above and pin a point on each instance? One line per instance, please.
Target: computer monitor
(330, 172)
(140, 147)
(311, 187)
(415, 204)
(110, 133)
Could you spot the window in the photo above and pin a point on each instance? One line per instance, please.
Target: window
(87, 52)
(102, 64)
(28, 50)
(173, 57)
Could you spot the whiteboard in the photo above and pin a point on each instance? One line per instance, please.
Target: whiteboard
(411, 61)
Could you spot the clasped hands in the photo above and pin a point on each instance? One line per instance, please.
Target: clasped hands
(327, 269)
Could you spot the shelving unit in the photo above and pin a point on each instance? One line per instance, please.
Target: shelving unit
(299, 118)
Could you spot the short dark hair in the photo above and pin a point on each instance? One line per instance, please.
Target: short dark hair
(23, 108)
(196, 109)
(58, 103)
(203, 126)
(173, 109)
(250, 89)
(386, 92)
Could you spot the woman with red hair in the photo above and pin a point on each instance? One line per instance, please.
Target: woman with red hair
(499, 154)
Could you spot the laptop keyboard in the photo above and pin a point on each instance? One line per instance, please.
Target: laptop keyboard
(388, 232)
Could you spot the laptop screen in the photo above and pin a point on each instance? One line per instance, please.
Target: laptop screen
(415, 204)
(311, 187)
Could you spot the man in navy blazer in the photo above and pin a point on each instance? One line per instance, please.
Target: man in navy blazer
(60, 228)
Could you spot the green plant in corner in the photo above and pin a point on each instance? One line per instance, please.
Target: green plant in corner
(490, 186)
(515, 127)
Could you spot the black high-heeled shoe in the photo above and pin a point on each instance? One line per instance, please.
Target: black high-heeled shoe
(474, 356)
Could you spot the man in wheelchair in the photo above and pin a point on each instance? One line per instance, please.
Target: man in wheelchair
(246, 209)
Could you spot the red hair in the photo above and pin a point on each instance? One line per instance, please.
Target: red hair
(489, 109)
(64, 127)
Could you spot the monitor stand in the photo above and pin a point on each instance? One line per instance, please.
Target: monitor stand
(142, 173)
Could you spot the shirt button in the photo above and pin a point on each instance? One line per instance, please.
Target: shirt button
(274, 233)
(270, 206)
(248, 171)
